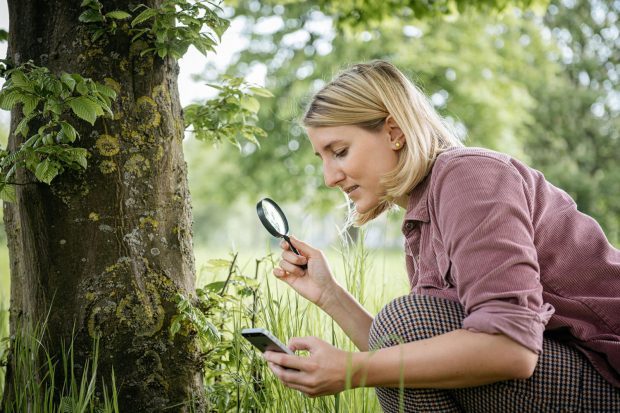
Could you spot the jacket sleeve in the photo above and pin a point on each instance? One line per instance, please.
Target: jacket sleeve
(483, 214)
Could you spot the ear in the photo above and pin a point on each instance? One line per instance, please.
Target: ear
(395, 132)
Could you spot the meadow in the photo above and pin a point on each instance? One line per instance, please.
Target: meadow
(236, 377)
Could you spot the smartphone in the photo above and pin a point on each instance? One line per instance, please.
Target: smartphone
(263, 340)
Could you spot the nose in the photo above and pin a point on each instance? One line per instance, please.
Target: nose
(332, 174)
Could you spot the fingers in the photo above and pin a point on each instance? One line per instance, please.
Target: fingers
(291, 263)
(290, 378)
(303, 248)
(296, 380)
(291, 268)
(287, 361)
(294, 258)
(302, 343)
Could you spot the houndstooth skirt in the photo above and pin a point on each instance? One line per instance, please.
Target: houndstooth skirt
(564, 380)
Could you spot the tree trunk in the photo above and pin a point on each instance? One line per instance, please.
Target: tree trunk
(105, 251)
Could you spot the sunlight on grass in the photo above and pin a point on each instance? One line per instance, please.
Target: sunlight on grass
(373, 276)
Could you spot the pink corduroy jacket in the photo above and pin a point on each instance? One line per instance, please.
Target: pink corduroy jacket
(490, 232)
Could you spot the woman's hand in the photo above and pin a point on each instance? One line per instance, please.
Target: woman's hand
(321, 373)
(314, 283)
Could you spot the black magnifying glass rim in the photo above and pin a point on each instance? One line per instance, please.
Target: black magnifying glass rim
(266, 223)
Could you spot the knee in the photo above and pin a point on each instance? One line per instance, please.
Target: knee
(411, 318)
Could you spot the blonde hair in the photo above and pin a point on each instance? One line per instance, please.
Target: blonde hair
(365, 95)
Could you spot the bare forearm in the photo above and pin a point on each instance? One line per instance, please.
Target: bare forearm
(354, 320)
(457, 359)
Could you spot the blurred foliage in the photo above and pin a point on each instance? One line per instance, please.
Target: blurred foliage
(474, 69)
(364, 13)
(503, 81)
(575, 135)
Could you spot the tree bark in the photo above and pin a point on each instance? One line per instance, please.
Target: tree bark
(105, 251)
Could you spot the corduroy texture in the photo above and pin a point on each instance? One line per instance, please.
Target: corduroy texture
(564, 380)
(490, 232)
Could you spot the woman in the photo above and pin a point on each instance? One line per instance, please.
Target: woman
(515, 295)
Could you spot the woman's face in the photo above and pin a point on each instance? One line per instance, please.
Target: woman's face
(355, 160)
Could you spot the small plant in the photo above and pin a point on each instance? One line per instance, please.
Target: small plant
(47, 99)
(105, 22)
(171, 39)
(220, 309)
(228, 116)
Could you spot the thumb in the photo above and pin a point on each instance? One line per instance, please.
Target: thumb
(302, 343)
(304, 248)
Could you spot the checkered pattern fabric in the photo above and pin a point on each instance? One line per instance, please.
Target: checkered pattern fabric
(564, 380)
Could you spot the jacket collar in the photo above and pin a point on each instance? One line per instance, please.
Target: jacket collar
(417, 207)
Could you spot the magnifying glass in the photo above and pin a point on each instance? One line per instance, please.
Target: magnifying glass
(275, 222)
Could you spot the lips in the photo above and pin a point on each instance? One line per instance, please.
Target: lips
(350, 189)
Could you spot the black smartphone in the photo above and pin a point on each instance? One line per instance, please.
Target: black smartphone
(263, 340)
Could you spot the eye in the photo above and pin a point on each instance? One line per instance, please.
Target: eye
(341, 153)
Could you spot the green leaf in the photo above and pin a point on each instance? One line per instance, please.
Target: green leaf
(250, 103)
(118, 15)
(7, 193)
(97, 34)
(77, 155)
(138, 34)
(84, 108)
(91, 16)
(105, 90)
(162, 52)
(82, 88)
(47, 170)
(261, 91)
(175, 326)
(19, 79)
(215, 286)
(68, 80)
(218, 263)
(215, 334)
(77, 77)
(22, 127)
(9, 97)
(144, 16)
(30, 104)
(53, 106)
(69, 131)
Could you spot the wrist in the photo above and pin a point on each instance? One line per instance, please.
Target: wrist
(357, 372)
(331, 298)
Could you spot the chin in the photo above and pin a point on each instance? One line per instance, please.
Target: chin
(362, 207)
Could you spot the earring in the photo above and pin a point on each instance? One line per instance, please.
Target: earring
(397, 144)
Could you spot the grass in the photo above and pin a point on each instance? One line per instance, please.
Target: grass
(286, 314)
(239, 379)
(5, 292)
(35, 389)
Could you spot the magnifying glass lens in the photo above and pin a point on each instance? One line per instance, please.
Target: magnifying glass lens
(274, 220)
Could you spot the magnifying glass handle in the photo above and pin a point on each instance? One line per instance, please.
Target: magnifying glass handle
(287, 239)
